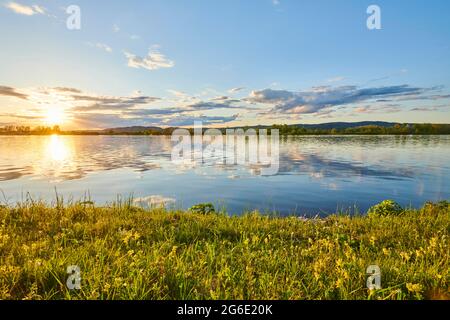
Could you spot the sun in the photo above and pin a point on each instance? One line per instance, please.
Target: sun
(54, 116)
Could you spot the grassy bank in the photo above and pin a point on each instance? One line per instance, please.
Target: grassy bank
(126, 252)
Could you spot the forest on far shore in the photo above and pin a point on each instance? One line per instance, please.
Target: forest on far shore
(395, 129)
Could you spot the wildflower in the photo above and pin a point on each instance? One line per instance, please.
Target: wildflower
(173, 252)
(433, 242)
(405, 256)
(118, 281)
(339, 283)
(316, 275)
(4, 238)
(349, 253)
(94, 294)
(126, 238)
(129, 235)
(414, 288)
(418, 253)
(38, 262)
(345, 275)
(106, 287)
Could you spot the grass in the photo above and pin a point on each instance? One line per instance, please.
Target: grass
(126, 252)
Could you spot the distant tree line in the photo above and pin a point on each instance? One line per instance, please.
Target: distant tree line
(397, 129)
(26, 130)
(148, 132)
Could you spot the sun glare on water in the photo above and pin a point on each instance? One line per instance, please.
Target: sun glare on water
(57, 149)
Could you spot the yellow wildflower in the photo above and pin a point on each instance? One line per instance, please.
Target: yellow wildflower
(339, 283)
(106, 287)
(405, 256)
(414, 288)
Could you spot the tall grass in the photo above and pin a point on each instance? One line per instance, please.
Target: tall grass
(126, 252)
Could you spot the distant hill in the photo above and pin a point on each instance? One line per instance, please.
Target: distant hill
(332, 125)
(327, 125)
(345, 125)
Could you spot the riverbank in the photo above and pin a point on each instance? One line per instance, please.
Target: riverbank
(126, 252)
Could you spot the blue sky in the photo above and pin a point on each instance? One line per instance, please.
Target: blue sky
(172, 62)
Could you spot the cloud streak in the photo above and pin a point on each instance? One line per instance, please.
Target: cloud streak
(101, 46)
(318, 98)
(153, 61)
(24, 9)
(8, 91)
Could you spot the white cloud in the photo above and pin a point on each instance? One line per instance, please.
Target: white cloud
(101, 46)
(39, 9)
(116, 28)
(177, 93)
(336, 79)
(153, 61)
(318, 98)
(24, 9)
(234, 90)
(154, 201)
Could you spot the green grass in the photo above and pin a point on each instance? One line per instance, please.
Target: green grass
(125, 252)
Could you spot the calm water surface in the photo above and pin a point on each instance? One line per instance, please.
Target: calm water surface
(317, 174)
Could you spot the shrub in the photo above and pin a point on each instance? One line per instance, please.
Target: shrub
(203, 208)
(385, 208)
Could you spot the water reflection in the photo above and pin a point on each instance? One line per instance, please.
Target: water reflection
(58, 149)
(68, 158)
(314, 171)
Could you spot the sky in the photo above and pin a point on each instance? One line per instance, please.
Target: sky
(225, 62)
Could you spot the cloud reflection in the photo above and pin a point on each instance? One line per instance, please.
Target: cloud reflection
(63, 158)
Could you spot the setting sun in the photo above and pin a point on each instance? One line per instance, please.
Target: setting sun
(54, 116)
